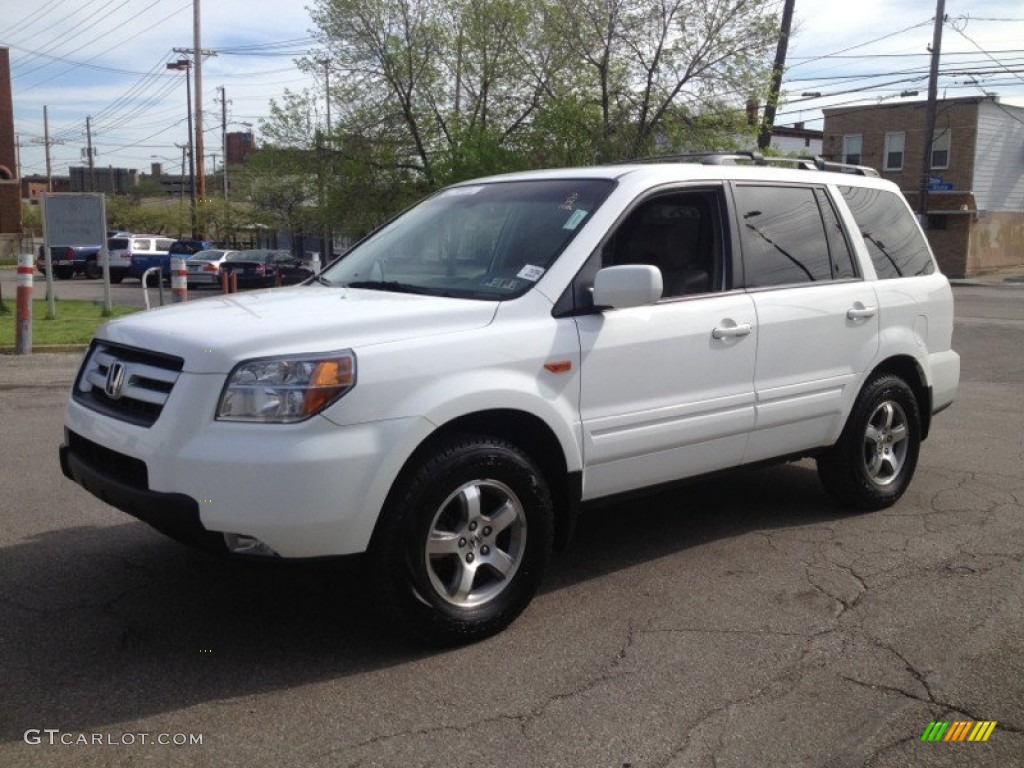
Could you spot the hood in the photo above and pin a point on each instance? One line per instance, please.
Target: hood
(213, 334)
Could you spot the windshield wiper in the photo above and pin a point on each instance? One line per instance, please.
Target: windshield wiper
(390, 285)
(322, 280)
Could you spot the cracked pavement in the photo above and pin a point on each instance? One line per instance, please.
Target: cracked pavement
(740, 621)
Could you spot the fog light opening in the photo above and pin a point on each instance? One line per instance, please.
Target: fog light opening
(240, 544)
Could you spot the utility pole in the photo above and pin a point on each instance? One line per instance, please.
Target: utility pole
(89, 152)
(185, 65)
(46, 141)
(224, 136)
(764, 140)
(930, 110)
(198, 60)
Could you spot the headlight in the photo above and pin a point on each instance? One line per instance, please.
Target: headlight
(285, 390)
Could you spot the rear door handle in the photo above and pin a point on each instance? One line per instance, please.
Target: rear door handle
(859, 312)
(731, 331)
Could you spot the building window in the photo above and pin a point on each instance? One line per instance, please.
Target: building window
(852, 149)
(940, 149)
(894, 143)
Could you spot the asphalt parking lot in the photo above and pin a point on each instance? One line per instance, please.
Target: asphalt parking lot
(739, 621)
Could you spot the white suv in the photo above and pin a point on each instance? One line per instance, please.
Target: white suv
(451, 392)
(123, 246)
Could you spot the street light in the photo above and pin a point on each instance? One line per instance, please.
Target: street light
(186, 65)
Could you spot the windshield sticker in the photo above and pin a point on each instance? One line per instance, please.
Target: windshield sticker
(531, 273)
(461, 191)
(570, 201)
(574, 221)
(503, 283)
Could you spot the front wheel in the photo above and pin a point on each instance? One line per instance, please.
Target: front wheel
(463, 541)
(874, 460)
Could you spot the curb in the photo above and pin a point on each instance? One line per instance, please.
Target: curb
(51, 348)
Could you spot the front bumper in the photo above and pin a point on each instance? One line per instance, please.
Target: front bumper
(312, 489)
(174, 514)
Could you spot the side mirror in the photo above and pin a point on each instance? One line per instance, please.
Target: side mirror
(629, 285)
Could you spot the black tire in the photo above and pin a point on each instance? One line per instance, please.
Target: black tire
(115, 279)
(63, 273)
(486, 508)
(874, 460)
(93, 270)
(153, 279)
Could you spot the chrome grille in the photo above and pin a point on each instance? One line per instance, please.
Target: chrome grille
(126, 383)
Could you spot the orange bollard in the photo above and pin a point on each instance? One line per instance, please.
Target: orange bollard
(179, 281)
(234, 282)
(23, 328)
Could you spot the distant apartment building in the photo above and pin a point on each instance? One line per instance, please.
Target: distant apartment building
(33, 186)
(975, 199)
(113, 181)
(796, 140)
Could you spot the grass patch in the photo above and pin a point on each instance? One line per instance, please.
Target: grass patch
(75, 323)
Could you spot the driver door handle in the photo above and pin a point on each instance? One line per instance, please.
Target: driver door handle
(860, 312)
(731, 331)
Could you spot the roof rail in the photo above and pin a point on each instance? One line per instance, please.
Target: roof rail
(756, 158)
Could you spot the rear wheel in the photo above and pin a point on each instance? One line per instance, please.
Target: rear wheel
(874, 460)
(92, 270)
(63, 273)
(463, 541)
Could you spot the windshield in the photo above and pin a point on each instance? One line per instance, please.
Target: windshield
(486, 241)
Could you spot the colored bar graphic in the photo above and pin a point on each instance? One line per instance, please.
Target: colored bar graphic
(958, 730)
(982, 730)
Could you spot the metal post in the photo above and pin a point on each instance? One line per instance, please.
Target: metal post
(23, 329)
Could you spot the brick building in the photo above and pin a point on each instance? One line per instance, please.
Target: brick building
(975, 202)
(10, 190)
(239, 144)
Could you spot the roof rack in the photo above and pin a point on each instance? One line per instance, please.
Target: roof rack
(817, 163)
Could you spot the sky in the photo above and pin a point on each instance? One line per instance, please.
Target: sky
(106, 59)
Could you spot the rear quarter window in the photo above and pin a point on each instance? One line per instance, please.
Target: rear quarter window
(893, 239)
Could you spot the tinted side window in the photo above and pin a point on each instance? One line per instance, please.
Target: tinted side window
(783, 236)
(896, 245)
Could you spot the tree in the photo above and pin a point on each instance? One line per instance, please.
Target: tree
(280, 184)
(429, 92)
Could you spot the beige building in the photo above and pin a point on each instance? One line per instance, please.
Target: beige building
(975, 202)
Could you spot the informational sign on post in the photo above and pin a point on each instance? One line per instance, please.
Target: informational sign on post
(75, 219)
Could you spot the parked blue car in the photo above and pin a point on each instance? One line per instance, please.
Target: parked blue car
(179, 249)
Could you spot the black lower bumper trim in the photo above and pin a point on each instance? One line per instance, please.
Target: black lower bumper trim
(173, 514)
